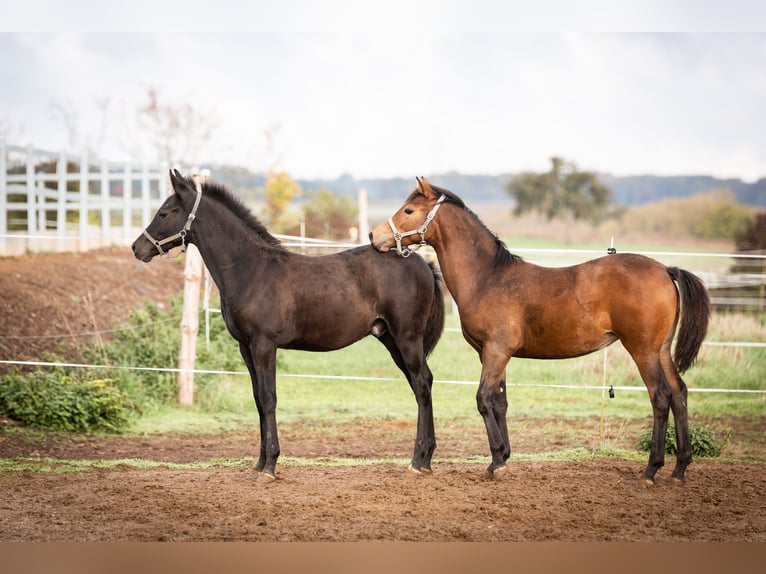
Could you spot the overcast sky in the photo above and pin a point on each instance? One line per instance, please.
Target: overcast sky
(417, 91)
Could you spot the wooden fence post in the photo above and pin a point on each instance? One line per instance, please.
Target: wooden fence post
(189, 326)
(364, 222)
(190, 321)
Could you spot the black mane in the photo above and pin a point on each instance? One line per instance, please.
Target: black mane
(503, 257)
(237, 207)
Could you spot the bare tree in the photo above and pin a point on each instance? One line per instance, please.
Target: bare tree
(176, 132)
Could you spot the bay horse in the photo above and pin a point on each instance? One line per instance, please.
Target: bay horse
(512, 308)
(273, 298)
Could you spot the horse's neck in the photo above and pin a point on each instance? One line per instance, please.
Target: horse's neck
(466, 251)
(227, 248)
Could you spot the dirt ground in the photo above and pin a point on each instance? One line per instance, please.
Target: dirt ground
(598, 500)
(48, 301)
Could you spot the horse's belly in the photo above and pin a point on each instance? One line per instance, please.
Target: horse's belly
(325, 337)
(563, 348)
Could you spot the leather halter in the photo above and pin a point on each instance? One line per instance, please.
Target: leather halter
(408, 250)
(182, 234)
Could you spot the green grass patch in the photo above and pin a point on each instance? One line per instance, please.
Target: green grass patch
(26, 464)
(225, 402)
(68, 466)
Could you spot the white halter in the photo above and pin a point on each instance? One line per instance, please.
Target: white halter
(408, 250)
(182, 234)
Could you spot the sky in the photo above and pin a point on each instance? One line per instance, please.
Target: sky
(320, 89)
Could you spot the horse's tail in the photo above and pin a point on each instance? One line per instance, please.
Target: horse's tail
(695, 316)
(435, 324)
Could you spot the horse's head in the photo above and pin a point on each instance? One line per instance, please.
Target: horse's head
(409, 225)
(171, 226)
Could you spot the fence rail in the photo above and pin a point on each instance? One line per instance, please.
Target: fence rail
(66, 202)
(62, 202)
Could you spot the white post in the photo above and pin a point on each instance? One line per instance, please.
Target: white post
(3, 199)
(189, 326)
(106, 214)
(364, 223)
(84, 200)
(127, 205)
(31, 195)
(146, 215)
(61, 202)
(163, 182)
(302, 223)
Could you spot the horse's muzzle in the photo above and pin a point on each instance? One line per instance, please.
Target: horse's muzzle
(142, 250)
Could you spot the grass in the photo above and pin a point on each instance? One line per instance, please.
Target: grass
(318, 401)
(25, 464)
(314, 403)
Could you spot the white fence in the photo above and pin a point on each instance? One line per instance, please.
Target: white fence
(61, 202)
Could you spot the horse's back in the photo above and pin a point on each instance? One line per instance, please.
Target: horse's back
(562, 312)
(389, 273)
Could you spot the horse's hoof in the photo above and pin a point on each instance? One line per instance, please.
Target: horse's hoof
(497, 473)
(264, 477)
(413, 472)
(646, 482)
(678, 481)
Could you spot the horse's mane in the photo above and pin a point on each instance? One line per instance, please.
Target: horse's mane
(503, 257)
(234, 204)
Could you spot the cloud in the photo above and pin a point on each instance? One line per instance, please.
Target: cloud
(376, 100)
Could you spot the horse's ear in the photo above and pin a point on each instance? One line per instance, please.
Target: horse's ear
(177, 181)
(425, 187)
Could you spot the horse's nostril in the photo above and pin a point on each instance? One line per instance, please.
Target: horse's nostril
(370, 236)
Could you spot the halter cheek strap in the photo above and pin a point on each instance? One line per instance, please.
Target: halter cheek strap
(158, 243)
(408, 250)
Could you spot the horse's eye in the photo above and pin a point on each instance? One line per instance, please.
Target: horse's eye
(163, 214)
(409, 211)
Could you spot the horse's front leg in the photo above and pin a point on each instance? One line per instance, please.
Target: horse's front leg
(492, 402)
(244, 350)
(425, 441)
(261, 362)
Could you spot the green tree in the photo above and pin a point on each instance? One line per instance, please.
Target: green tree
(753, 236)
(724, 219)
(328, 215)
(280, 189)
(564, 192)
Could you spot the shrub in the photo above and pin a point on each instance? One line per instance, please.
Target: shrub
(77, 400)
(55, 400)
(151, 339)
(704, 441)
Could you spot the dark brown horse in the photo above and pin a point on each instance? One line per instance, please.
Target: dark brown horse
(511, 308)
(272, 298)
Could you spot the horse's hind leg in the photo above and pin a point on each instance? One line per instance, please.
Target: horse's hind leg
(678, 405)
(660, 396)
(409, 357)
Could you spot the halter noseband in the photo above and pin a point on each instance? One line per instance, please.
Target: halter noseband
(408, 250)
(182, 234)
